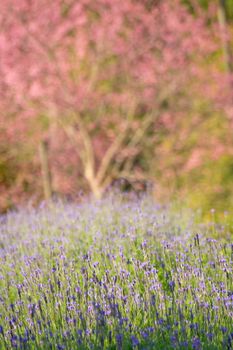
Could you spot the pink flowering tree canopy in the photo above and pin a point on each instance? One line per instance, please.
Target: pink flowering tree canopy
(107, 73)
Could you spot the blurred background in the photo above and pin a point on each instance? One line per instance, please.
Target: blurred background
(98, 93)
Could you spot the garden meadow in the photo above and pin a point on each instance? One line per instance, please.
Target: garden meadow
(119, 273)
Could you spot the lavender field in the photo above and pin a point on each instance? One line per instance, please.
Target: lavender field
(118, 273)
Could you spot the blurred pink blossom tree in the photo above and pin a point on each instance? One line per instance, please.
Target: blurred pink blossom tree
(102, 80)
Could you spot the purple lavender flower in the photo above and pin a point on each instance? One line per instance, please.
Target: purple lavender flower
(134, 340)
(196, 344)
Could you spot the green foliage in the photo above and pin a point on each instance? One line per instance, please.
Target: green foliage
(205, 4)
(211, 186)
(229, 8)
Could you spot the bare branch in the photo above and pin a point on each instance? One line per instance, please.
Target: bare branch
(111, 153)
(70, 132)
(86, 141)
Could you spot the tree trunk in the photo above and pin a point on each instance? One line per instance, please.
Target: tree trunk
(45, 171)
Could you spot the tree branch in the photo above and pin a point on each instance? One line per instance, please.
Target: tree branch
(111, 153)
